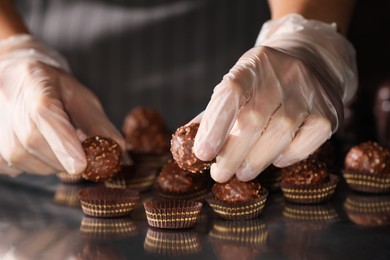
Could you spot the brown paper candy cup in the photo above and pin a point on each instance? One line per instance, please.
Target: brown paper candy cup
(239, 210)
(67, 178)
(305, 194)
(368, 210)
(134, 177)
(250, 233)
(310, 213)
(365, 182)
(107, 202)
(172, 214)
(151, 160)
(102, 229)
(171, 243)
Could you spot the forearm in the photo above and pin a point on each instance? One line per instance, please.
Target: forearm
(328, 11)
(10, 21)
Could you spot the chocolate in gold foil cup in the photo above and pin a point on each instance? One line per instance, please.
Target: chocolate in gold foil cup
(67, 178)
(107, 228)
(107, 202)
(239, 210)
(368, 210)
(172, 214)
(366, 182)
(308, 194)
(134, 177)
(171, 243)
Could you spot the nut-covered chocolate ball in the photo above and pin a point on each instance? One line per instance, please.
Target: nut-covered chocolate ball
(237, 191)
(306, 172)
(145, 131)
(174, 179)
(104, 158)
(368, 157)
(181, 147)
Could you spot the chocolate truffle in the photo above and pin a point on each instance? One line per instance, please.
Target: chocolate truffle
(145, 131)
(181, 147)
(237, 191)
(104, 158)
(174, 179)
(306, 172)
(368, 157)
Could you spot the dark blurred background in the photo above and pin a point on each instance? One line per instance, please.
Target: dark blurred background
(169, 54)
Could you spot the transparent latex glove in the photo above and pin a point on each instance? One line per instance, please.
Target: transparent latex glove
(41, 105)
(281, 100)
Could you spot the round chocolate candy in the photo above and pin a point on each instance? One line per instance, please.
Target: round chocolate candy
(306, 172)
(237, 191)
(104, 158)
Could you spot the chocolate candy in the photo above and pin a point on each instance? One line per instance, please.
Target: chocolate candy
(368, 157)
(237, 191)
(145, 131)
(306, 172)
(181, 147)
(104, 158)
(173, 179)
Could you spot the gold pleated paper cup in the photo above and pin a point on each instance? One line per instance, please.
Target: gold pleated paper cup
(310, 213)
(368, 210)
(134, 177)
(306, 194)
(67, 178)
(171, 243)
(250, 233)
(107, 228)
(366, 182)
(105, 202)
(239, 210)
(172, 214)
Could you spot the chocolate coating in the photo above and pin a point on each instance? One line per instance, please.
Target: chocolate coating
(104, 158)
(306, 172)
(174, 179)
(145, 131)
(182, 143)
(326, 153)
(237, 191)
(368, 157)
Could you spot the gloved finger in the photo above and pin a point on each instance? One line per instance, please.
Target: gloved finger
(86, 112)
(311, 135)
(228, 98)
(18, 157)
(276, 137)
(5, 169)
(248, 128)
(33, 141)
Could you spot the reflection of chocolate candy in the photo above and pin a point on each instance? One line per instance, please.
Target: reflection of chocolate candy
(93, 251)
(310, 213)
(368, 157)
(370, 211)
(67, 195)
(181, 147)
(145, 131)
(173, 179)
(104, 158)
(382, 114)
(97, 228)
(306, 172)
(171, 243)
(237, 191)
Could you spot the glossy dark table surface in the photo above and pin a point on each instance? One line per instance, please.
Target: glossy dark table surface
(35, 225)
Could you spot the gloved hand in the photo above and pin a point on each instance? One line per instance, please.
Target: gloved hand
(41, 105)
(281, 100)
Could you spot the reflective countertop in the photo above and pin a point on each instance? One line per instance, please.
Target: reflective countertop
(41, 219)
